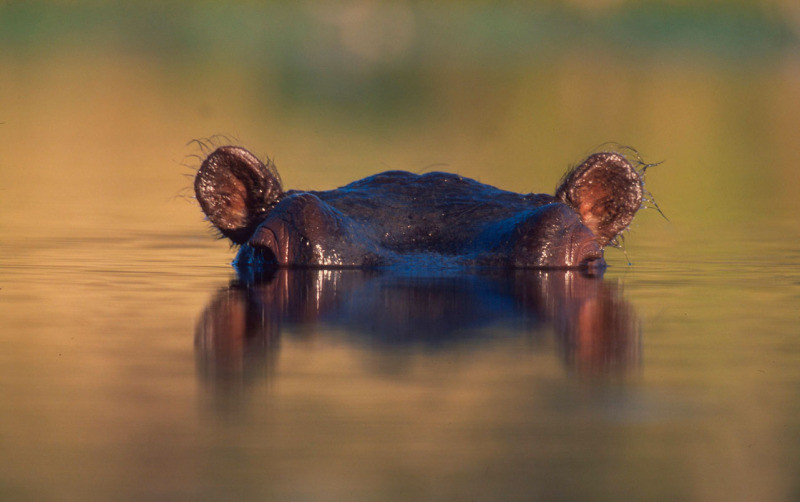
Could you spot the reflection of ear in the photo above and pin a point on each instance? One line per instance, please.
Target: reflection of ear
(221, 333)
(235, 189)
(606, 191)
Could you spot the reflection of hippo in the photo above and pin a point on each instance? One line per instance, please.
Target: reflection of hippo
(435, 218)
(596, 329)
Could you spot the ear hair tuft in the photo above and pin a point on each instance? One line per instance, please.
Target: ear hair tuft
(235, 189)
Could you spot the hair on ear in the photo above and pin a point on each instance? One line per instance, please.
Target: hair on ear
(235, 189)
(606, 191)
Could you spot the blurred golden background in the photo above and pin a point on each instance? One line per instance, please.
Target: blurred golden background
(100, 100)
(106, 264)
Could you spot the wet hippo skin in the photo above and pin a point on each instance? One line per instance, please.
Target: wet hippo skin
(400, 218)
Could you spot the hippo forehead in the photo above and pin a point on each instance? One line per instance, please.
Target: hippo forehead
(433, 211)
(399, 217)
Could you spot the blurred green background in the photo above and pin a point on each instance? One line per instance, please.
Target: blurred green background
(98, 101)
(106, 262)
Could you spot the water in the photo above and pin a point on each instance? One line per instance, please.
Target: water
(165, 377)
(136, 365)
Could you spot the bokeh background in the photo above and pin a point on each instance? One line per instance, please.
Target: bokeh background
(99, 100)
(106, 263)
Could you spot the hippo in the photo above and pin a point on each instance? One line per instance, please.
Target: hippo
(406, 219)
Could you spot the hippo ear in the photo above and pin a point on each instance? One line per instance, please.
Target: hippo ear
(235, 190)
(606, 191)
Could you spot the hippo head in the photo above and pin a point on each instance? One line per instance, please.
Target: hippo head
(403, 218)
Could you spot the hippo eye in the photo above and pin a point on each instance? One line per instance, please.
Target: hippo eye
(592, 264)
(265, 254)
(256, 255)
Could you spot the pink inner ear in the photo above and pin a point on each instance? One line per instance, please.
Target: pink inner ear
(588, 217)
(606, 191)
(233, 198)
(592, 207)
(235, 189)
(223, 197)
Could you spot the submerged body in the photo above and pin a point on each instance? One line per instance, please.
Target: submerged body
(398, 217)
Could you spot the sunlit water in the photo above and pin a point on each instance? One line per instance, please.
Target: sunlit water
(136, 365)
(134, 369)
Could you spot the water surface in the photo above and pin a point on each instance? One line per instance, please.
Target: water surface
(136, 364)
